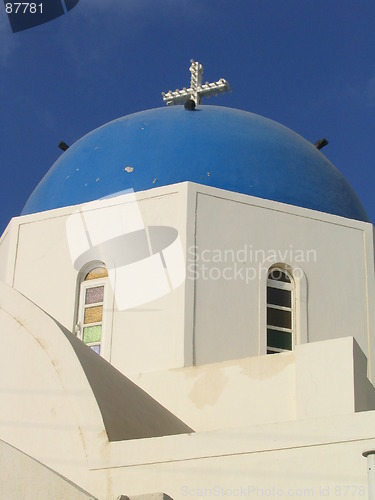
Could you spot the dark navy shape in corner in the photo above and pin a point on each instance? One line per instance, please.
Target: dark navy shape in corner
(23, 16)
(69, 4)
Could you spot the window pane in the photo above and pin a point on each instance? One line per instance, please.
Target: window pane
(279, 297)
(98, 272)
(277, 317)
(282, 340)
(93, 314)
(95, 294)
(279, 275)
(92, 334)
(95, 348)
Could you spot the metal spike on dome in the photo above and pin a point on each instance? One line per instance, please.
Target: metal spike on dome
(321, 143)
(62, 145)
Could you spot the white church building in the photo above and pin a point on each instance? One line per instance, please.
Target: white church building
(187, 310)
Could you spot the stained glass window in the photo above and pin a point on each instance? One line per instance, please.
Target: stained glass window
(95, 294)
(95, 348)
(93, 315)
(91, 310)
(98, 272)
(92, 334)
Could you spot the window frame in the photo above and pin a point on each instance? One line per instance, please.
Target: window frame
(82, 286)
(301, 335)
(287, 286)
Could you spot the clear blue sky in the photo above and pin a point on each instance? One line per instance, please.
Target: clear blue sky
(309, 65)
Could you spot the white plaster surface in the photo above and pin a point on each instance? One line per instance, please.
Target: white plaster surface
(293, 424)
(221, 317)
(22, 477)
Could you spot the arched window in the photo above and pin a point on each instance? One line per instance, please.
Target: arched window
(91, 311)
(280, 310)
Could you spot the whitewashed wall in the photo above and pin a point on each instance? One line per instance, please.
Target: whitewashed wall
(220, 315)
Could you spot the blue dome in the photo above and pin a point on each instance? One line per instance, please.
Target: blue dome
(215, 146)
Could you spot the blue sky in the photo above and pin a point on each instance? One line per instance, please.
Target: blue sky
(309, 65)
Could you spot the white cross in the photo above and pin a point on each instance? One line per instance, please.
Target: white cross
(196, 90)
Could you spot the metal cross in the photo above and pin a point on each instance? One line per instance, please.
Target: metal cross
(196, 90)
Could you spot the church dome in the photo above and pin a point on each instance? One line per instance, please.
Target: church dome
(215, 146)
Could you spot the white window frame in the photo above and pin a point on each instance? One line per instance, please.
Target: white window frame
(83, 285)
(300, 302)
(281, 285)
